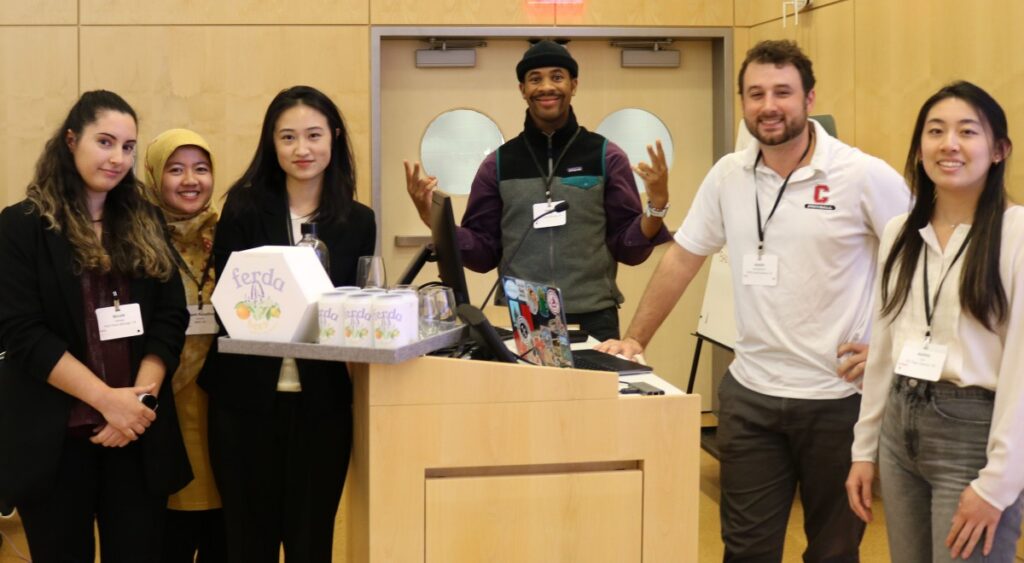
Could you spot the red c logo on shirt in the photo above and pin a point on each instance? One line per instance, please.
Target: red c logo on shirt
(820, 193)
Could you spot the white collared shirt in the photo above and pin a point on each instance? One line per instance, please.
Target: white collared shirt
(825, 234)
(288, 378)
(975, 356)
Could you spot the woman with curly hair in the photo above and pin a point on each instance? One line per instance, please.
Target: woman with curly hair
(92, 319)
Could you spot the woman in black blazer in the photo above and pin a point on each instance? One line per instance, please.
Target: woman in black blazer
(79, 430)
(281, 430)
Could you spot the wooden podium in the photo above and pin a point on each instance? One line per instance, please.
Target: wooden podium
(464, 461)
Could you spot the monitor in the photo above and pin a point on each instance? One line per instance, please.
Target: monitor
(446, 247)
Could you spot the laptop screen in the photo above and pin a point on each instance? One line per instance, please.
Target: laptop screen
(538, 322)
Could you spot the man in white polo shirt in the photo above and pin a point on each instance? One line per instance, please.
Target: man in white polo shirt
(802, 214)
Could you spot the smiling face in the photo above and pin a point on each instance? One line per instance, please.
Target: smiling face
(957, 148)
(302, 141)
(775, 106)
(104, 151)
(187, 181)
(548, 93)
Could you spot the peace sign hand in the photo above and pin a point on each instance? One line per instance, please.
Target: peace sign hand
(655, 176)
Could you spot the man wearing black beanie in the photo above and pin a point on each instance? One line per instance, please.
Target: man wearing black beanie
(556, 160)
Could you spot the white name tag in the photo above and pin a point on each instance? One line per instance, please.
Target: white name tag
(119, 322)
(201, 321)
(921, 360)
(760, 270)
(551, 220)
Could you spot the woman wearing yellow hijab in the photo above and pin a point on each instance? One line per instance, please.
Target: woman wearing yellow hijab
(179, 179)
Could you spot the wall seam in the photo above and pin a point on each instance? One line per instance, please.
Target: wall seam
(78, 38)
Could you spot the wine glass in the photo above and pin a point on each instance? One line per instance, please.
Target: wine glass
(370, 272)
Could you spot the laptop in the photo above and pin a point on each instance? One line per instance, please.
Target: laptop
(541, 333)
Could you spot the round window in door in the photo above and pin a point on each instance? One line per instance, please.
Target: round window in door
(633, 129)
(454, 145)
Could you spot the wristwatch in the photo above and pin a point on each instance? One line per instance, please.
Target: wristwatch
(652, 211)
(149, 401)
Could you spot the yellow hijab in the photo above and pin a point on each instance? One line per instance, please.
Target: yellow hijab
(157, 154)
(191, 236)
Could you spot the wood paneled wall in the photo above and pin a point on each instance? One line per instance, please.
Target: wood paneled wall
(230, 12)
(39, 12)
(218, 80)
(653, 13)
(877, 61)
(214, 66)
(38, 84)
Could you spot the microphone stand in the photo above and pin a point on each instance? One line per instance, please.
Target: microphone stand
(562, 206)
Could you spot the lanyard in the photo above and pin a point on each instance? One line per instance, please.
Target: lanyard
(550, 176)
(930, 306)
(200, 282)
(762, 228)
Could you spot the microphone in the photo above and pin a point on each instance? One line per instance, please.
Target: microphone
(506, 258)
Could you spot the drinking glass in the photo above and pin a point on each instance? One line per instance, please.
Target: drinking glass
(370, 272)
(436, 309)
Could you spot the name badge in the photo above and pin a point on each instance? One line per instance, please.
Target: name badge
(760, 270)
(550, 220)
(119, 322)
(921, 360)
(201, 321)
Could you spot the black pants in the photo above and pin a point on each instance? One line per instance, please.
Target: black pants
(104, 485)
(194, 536)
(280, 477)
(770, 444)
(602, 325)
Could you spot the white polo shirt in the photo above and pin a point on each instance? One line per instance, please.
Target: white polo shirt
(825, 234)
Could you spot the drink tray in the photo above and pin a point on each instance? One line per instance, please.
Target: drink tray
(309, 351)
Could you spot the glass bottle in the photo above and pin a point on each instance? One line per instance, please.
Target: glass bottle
(310, 239)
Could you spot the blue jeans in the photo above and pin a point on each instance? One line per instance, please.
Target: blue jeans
(933, 444)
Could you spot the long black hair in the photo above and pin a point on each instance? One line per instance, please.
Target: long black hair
(265, 173)
(981, 290)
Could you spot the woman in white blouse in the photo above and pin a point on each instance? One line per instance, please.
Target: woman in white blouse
(943, 408)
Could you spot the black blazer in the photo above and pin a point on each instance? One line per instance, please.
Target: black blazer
(41, 317)
(255, 217)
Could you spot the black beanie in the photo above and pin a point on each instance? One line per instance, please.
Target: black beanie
(544, 54)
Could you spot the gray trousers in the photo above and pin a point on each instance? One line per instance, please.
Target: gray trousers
(768, 446)
(933, 444)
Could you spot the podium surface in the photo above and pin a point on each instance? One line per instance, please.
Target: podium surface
(467, 461)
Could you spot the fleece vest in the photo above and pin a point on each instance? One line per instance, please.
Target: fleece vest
(573, 257)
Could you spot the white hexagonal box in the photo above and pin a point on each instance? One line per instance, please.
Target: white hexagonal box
(270, 293)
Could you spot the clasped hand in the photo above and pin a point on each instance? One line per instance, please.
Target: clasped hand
(127, 418)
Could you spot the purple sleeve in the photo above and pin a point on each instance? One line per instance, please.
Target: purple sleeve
(479, 237)
(623, 212)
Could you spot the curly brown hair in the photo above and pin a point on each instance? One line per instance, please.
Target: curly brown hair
(780, 52)
(134, 239)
